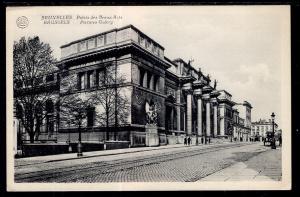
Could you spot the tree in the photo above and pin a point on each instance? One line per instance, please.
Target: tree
(72, 109)
(32, 61)
(109, 97)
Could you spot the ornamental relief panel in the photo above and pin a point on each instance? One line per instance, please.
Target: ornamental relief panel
(143, 113)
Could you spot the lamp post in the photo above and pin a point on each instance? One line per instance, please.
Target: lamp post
(273, 139)
(79, 118)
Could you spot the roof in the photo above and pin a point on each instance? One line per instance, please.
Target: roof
(225, 92)
(111, 30)
(247, 104)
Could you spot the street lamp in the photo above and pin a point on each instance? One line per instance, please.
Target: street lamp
(273, 140)
(79, 118)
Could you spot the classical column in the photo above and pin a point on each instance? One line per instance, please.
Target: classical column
(222, 119)
(178, 93)
(207, 99)
(145, 80)
(151, 82)
(198, 94)
(208, 134)
(189, 111)
(215, 106)
(184, 122)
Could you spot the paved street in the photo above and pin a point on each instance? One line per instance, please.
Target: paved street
(169, 163)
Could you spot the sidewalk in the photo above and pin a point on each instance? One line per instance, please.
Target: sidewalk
(263, 167)
(72, 156)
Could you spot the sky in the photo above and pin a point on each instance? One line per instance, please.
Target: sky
(242, 47)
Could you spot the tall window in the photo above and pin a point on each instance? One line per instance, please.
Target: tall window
(90, 81)
(148, 80)
(142, 72)
(101, 79)
(90, 116)
(81, 81)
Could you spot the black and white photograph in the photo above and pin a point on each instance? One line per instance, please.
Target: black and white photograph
(148, 98)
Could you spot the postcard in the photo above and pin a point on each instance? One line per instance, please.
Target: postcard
(118, 98)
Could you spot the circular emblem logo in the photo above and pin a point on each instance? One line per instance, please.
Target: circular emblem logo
(22, 22)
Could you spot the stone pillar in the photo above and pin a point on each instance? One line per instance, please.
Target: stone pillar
(184, 122)
(215, 106)
(198, 94)
(222, 119)
(178, 93)
(189, 112)
(145, 80)
(208, 132)
(189, 91)
(207, 99)
(152, 83)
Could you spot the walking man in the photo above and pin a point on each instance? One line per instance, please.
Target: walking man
(185, 141)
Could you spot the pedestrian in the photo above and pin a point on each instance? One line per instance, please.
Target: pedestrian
(280, 140)
(189, 141)
(184, 140)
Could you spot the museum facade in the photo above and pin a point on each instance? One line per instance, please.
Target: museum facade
(160, 100)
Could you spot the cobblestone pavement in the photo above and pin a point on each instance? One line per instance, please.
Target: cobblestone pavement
(186, 164)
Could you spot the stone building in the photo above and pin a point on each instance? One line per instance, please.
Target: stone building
(261, 127)
(166, 99)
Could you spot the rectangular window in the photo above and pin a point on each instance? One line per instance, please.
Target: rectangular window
(81, 81)
(90, 80)
(101, 78)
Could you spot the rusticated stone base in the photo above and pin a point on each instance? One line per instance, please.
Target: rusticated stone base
(152, 138)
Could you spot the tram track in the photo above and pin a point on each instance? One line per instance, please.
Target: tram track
(102, 167)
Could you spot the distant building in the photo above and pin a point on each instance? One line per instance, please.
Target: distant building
(240, 132)
(259, 128)
(226, 113)
(244, 110)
